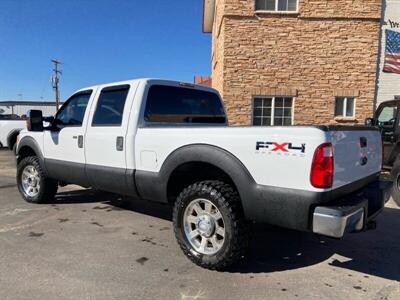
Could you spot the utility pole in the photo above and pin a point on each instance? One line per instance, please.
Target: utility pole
(55, 80)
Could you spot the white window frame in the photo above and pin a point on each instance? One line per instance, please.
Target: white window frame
(276, 9)
(343, 115)
(272, 109)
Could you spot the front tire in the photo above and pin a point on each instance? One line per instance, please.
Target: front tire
(209, 224)
(32, 183)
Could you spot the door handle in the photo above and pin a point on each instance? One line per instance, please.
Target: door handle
(80, 141)
(120, 143)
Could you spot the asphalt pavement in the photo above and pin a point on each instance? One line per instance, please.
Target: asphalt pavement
(88, 245)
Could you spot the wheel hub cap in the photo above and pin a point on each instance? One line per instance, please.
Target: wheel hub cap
(204, 226)
(30, 181)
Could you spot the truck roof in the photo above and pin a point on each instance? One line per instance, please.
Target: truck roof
(153, 81)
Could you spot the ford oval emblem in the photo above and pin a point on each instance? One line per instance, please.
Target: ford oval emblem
(363, 161)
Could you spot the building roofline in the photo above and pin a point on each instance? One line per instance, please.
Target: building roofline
(208, 15)
(19, 102)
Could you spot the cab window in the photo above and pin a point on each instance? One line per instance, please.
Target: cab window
(387, 115)
(169, 104)
(73, 111)
(110, 106)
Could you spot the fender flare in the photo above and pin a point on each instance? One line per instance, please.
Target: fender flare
(30, 142)
(153, 185)
(13, 133)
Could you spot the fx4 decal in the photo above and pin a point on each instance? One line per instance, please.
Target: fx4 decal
(281, 147)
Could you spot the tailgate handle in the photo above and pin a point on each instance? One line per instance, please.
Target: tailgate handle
(363, 142)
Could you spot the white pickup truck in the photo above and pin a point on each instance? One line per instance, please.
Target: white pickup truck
(170, 142)
(9, 130)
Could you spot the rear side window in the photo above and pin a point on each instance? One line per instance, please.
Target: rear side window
(110, 106)
(169, 104)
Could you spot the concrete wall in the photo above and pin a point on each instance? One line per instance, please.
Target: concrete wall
(388, 83)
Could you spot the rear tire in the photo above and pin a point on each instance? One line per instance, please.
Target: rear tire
(209, 224)
(395, 173)
(32, 183)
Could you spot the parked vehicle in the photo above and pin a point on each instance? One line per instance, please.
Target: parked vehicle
(10, 126)
(170, 142)
(386, 118)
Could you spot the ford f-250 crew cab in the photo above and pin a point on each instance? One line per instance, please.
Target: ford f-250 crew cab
(170, 142)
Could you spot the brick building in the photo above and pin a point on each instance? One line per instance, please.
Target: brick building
(281, 62)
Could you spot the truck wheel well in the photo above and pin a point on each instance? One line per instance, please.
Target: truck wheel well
(12, 139)
(189, 173)
(25, 151)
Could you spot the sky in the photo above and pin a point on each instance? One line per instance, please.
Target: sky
(98, 41)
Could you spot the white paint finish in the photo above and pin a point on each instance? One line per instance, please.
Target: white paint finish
(348, 154)
(63, 144)
(388, 83)
(148, 159)
(100, 141)
(37, 136)
(147, 148)
(6, 126)
(266, 167)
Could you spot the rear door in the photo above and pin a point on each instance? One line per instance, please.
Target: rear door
(105, 149)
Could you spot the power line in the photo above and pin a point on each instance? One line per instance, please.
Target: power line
(55, 80)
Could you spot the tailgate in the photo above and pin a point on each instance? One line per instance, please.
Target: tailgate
(357, 154)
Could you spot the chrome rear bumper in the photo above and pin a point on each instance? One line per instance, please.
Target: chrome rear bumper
(335, 222)
(352, 213)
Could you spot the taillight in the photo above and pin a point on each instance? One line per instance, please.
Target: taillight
(322, 167)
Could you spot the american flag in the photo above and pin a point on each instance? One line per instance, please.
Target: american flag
(392, 52)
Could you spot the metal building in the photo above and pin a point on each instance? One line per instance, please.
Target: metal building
(21, 107)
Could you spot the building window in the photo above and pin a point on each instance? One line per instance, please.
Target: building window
(344, 106)
(277, 5)
(272, 111)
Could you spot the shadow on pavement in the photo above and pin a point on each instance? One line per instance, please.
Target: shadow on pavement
(154, 209)
(272, 249)
(375, 252)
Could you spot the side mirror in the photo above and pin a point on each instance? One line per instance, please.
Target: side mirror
(49, 119)
(34, 121)
(370, 122)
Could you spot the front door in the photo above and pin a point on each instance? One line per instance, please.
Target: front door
(387, 116)
(64, 144)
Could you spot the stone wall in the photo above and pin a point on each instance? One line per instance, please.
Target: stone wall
(328, 49)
